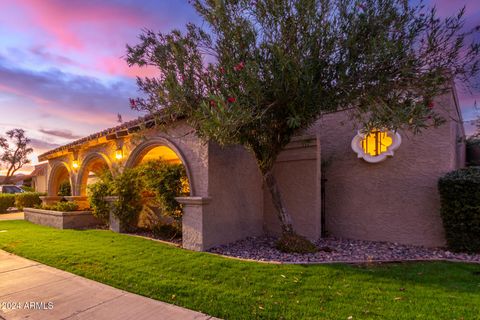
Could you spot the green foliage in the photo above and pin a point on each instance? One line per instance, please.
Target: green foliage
(62, 206)
(64, 189)
(294, 243)
(127, 187)
(7, 200)
(96, 196)
(27, 189)
(460, 198)
(27, 200)
(166, 181)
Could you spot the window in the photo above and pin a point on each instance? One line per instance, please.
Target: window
(376, 145)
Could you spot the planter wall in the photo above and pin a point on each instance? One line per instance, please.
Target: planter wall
(61, 220)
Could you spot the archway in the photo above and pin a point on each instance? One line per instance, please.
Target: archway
(60, 174)
(162, 218)
(159, 148)
(93, 166)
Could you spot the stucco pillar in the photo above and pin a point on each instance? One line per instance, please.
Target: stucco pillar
(193, 220)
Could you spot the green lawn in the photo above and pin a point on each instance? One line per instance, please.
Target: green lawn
(235, 289)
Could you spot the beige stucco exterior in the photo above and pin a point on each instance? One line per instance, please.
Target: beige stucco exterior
(394, 200)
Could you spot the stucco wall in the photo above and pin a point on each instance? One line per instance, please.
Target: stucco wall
(235, 188)
(395, 200)
(297, 171)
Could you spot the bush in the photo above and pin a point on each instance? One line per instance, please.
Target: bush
(127, 186)
(460, 208)
(64, 189)
(27, 189)
(27, 200)
(294, 243)
(167, 181)
(7, 200)
(62, 206)
(96, 197)
(167, 231)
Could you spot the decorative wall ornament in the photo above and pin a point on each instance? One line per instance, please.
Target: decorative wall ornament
(375, 146)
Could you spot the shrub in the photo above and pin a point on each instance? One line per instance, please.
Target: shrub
(167, 231)
(167, 181)
(7, 200)
(294, 243)
(127, 186)
(27, 189)
(27, 200)
(62, 206)
(64, 189)
(460, 208)
(96, 197)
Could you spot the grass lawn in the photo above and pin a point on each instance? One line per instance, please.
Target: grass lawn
(233, 289)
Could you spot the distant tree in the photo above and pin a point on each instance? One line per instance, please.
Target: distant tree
(255, 73)
(15, 151)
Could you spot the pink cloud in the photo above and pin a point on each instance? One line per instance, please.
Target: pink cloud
(64, 20)
(118, 66)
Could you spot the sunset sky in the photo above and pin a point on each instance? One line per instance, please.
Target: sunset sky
(62, 73)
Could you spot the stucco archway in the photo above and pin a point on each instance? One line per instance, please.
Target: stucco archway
(59, 173)
(140, 151)
(94, 163)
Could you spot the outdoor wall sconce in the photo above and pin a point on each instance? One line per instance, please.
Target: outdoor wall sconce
(119, 154)
(376, 145)
(75, 164)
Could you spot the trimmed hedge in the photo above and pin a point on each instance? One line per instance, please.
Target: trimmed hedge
(27, 200)
(460, 200)
(7, 200)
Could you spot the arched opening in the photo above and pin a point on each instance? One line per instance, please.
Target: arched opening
(161, 155)
(94, 165)
(60, 180)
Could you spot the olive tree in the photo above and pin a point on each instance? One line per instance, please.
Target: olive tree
(255, 73)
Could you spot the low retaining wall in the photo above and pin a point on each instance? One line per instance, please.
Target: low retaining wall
(61, 220)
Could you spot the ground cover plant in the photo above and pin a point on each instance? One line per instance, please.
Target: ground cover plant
(233, 289)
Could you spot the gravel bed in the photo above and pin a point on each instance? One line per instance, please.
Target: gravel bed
(338, 250)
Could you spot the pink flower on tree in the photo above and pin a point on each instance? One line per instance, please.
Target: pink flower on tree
(239, 66)
(133, 103)
(231, 99)
(430, 105)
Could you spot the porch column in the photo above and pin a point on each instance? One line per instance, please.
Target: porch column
(194, 210)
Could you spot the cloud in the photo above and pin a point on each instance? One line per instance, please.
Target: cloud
(38, 144)
(67, 134)
(70, 96)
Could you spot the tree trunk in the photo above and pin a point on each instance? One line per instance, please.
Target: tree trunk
(282, 212)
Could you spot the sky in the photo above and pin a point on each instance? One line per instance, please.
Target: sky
(62, 69)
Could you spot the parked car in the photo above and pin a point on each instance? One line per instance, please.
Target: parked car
(10, 189)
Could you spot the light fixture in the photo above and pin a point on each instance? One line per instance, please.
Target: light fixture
(119, 154)
(375, 146)
(75, 164)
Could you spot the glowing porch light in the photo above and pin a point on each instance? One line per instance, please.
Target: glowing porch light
(75, 164)
(119, 154)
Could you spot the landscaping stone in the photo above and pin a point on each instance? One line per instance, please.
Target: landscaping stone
(338, 250)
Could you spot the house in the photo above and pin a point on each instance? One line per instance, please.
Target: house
(39, 177)
(335, 180)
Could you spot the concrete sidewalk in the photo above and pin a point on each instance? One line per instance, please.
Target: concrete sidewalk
(12, 216)
(30, 290)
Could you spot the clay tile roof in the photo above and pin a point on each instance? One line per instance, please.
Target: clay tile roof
(145, 120)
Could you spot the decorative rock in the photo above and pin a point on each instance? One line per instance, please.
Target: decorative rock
(338, 250)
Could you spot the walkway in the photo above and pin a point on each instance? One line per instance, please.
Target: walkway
(11, 216)
(41, 292)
